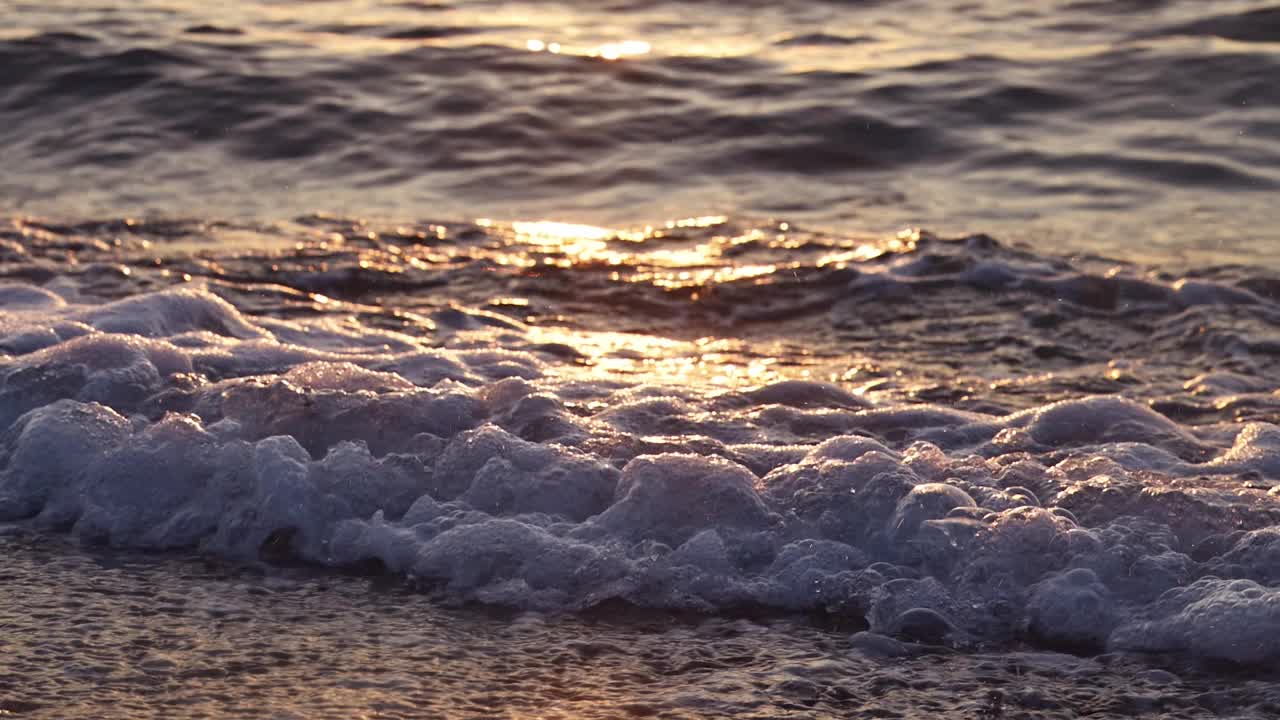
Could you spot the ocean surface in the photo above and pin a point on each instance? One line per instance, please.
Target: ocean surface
(639, 359)
(1145, 127)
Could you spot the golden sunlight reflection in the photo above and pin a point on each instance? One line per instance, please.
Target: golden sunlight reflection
(568, 245)
(627, 48)
(694, 262)
(904, 241)
(700, 222)
(691, 254)
(716, 362)
(673, 257)
(874, 39)
(545, 231)
(606, 51)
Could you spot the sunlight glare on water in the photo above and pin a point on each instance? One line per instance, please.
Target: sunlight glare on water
(641, 256)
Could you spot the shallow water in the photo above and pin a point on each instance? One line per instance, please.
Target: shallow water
(1077, 454)
(122, 635)
(722, 442)
(1146, 129)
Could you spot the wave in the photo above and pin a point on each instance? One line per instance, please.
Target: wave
(464, 118)
(1255, 26)
(1107, 480)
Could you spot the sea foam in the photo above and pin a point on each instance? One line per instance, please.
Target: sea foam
(487, 464)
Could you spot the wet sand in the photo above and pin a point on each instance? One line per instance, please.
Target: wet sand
(164, 636)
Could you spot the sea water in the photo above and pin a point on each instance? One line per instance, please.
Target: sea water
(276, 295)
(1145, 127)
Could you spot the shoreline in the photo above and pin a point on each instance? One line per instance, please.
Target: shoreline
(119, 634)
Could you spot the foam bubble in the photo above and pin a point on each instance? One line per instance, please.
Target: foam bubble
(1233, 620)
(1072, 608)
(669, 497)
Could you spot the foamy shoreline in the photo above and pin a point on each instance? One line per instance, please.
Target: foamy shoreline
(120, 635)
(955, 440)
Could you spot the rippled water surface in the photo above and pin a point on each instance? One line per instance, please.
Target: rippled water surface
(1147, 128)
(569, 360)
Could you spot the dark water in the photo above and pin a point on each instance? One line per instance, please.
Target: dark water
(1146, 128)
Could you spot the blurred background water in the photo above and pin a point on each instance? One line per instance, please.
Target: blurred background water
(1141, 128)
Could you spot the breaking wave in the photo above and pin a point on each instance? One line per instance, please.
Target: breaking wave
(955, 440)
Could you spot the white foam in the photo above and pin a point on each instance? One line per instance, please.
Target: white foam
(173, 420)
(1071, 608)
(1234, 620)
